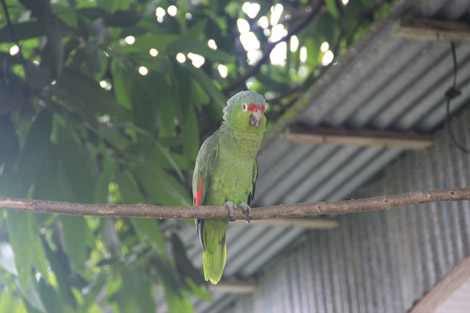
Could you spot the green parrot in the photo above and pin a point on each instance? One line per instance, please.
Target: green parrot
(226, 172)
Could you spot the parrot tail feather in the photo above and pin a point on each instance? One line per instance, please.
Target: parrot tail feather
(214, 263)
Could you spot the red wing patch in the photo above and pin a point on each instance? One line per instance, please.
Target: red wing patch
(199, 193)
(252, 107)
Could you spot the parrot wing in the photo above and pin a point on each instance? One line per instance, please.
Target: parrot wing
(251, 196)
(203, 170)
(202, 173)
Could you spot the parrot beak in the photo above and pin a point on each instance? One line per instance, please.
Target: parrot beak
(255, 117)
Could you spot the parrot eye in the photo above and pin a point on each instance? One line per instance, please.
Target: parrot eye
(244, 107)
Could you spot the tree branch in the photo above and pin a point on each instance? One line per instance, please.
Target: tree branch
(272, 211)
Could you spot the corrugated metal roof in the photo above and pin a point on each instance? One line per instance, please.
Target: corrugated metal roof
(382, 83)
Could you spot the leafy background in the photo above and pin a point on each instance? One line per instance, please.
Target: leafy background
(88, 113)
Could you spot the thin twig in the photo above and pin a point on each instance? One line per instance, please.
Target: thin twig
(265, 212)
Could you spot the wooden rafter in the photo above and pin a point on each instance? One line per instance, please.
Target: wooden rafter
(363, 138)
(434, 30)
(444, 289)
(234, 287)
(300, 222)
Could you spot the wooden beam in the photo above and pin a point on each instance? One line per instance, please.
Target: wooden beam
(307, 222)
(364, 138)
(234, 287)
(225, 286)
(444, 289)
(434, 30)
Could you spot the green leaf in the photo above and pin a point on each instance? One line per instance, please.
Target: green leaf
(163, 188)
(190, 134)
(32, 299)
(167, 106)
(185, 112)
(190, 42)
(332, 7)
(33, 154)
(94, 290)
(102, 184)
(128, 188)
(177, 302)
(323, 30)
(76, 164)
(26, 246)
(119, 19)
(49, 298)
(134, 294)
(113, 244)
(112, 136)
(197, 291)
(181, 89)
(8, 138)
(122, 82)
(77, 235)
(22, 31)
(158, 151)
(175, 161)
(93, 98)
(158, 41)
(38, 77)
(191, 276)
(61, 267)
(51, 182)
(167, 275)
(313, 52)
(52, 56)
(10, 303)
(148, 230)
(171, 160)
(198, 95)
(208, 84)
(67, 15)
(12, 96)
(145, 104)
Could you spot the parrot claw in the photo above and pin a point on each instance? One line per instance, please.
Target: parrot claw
(231, 208)
(247, 210)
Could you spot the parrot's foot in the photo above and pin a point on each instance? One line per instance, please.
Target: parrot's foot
(247, 210)
(231, 209)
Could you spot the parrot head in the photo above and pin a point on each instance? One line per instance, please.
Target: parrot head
(245, 110)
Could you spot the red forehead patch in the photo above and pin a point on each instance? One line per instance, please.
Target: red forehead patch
(252, 107)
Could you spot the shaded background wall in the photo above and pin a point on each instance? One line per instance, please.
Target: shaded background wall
(377, 261)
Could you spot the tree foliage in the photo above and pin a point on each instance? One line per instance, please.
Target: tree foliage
(96, 105)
